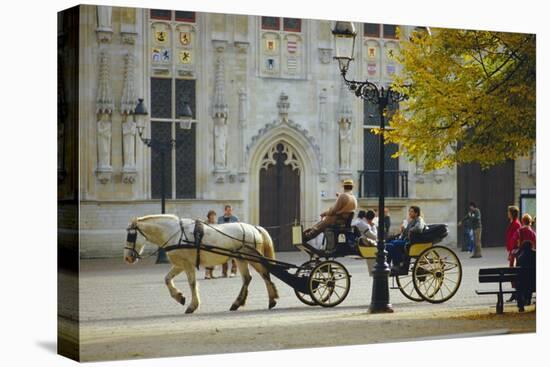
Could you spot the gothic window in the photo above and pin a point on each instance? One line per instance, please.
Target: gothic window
(292, 25)
(185, 16)
(371, 30)
(371, 114)
(161, 14)
(171, 39)
(390, 31)
(273, 23)
(395, 181)
(179, 16)
(161, 133)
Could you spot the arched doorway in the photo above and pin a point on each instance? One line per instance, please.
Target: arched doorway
(279, 180)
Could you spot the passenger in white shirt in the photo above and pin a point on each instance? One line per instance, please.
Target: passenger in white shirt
(365, 224)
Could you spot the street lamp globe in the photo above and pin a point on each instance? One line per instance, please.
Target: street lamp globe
(139, 115)
(344, 37)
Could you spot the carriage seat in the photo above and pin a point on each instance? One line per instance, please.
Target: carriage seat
(433, 233)
(340, 233)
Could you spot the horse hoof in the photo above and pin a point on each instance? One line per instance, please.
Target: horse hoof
(181, 299)
(189, 310)
(272, 304)
(233, 308)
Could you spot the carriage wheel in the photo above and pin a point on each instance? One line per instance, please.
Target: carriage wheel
(329, 283)
(304, 271)
(406, 286)
(437, 274)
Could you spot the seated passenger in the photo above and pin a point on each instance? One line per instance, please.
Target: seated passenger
(366, 227)
(396, 247)
(345, 205)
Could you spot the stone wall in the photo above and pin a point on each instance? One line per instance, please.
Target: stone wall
(303, 106)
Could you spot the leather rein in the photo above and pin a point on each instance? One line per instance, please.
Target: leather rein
(198, 233)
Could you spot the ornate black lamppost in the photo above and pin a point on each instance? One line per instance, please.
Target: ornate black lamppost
(164, 147)
(344, 34)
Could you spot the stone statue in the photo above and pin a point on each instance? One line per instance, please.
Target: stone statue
(345, 143)
(129, 144)
(104, 143)
(220, 141)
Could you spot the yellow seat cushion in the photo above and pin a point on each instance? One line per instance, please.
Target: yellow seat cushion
(417, 248)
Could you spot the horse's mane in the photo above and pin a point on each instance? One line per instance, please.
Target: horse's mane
(155, 216)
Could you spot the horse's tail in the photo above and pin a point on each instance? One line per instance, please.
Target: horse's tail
(267, 248)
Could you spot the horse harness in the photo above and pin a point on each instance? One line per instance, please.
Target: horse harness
(198, 234)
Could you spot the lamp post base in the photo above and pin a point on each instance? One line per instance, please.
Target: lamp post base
(384, 308)
(380, 299)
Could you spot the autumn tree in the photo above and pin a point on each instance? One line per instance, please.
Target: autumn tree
(472, 97)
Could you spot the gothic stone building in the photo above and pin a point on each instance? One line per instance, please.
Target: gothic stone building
(273, 132)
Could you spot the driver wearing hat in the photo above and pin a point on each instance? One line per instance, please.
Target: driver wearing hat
(345, 205)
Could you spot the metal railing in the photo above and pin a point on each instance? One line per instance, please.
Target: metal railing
(396, 184)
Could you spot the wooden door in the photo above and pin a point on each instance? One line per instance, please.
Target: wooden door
(279, 197)
(493, 191)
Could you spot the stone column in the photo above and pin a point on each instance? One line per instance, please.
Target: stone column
(242, 128)
(323, 130)
(104, 111)
(241, 73)
(128, 102)
(220, 114)
(345, 134)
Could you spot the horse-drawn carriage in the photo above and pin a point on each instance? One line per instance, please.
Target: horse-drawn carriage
(433, 273)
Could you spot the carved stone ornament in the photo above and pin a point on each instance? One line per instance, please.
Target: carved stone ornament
(291, 157)
(325, 55)
(323, 130)
(345, 123)
(284, 106)
(104, 28)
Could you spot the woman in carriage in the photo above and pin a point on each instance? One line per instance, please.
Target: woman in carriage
(397, 254)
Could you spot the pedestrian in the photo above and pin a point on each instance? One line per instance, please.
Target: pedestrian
(524, 253)
(525, 233)
(510, 237)
(228, 217)
(466, 223)
(474, 216)
(387, 223)
(211, 219)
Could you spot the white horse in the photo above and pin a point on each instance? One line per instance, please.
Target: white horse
(169, 231)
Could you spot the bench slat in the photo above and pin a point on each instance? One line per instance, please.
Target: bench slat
(494, 292)
(492, 271)
(497, 278)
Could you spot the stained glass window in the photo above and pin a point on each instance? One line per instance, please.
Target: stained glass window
(161, 14)
(292, 25)
(371, 29)
(185, 16)
(273, 23)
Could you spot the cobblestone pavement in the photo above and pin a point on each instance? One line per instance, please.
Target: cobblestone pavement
(123, 307)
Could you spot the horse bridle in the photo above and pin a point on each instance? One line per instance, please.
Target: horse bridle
(131, 238)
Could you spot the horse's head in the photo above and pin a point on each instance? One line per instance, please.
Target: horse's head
(132, 249)
(157, 229)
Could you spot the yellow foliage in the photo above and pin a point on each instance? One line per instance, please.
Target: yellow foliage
(472, 97)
